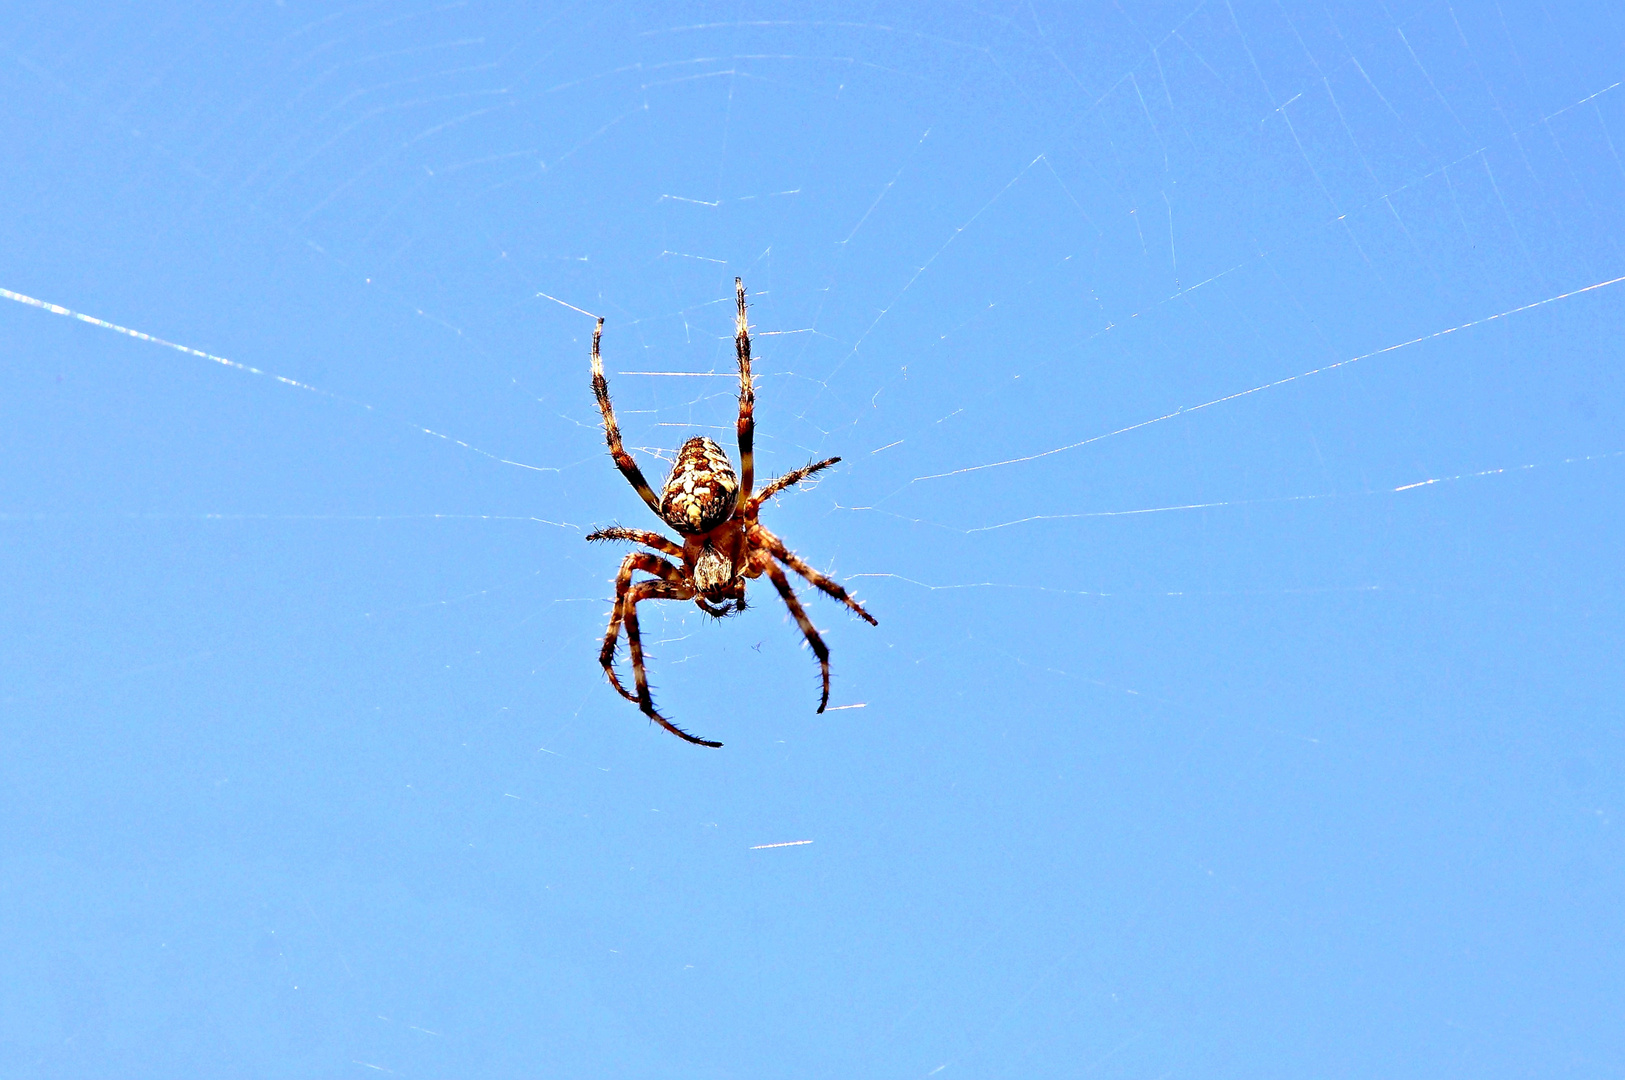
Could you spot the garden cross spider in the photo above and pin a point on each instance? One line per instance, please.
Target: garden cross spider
(723, 543)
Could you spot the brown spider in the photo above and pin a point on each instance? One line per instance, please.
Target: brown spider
(723, 543)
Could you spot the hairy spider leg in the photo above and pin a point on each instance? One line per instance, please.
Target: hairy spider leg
(649, 564)
(782, 583)
(747, 399)
(612, 432)
(794, 476)
(819, 581)
(653, 590)
(639, 536)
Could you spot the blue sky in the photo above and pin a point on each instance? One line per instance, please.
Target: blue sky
(1230, 404)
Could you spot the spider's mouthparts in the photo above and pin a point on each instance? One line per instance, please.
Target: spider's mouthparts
(721, 609)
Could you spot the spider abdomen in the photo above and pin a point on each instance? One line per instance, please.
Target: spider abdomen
(702, 489)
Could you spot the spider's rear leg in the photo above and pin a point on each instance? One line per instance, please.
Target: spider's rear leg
(782, 583)
(746, 427)
(653, 590)
(612, 432)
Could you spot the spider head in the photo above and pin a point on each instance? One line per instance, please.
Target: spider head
(702, 489)
(714, 575)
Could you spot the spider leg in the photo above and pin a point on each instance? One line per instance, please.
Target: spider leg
(639, 536)
(653, 590)
(789, 479)
(747, 399)
(782, 583)
(637, 560)
(612, 432)
(819, 581)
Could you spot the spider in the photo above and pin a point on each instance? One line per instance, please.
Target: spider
(723, 545)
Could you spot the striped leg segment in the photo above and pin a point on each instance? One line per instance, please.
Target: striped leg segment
(653, 590)
(819, 581)
(782, 583)
(649, 564)
(789, 479)
(747, 399)
(639, 536)
(612, 432)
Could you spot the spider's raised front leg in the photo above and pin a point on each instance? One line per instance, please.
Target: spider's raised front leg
(782, 583)
(649, 564)
(653, 590)
(819, 581)
(612, 432)
(794, 476)
(747, 398)
(639, 536)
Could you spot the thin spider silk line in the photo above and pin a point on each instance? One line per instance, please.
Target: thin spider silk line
(1182, 411)
(207, 516)
(57, 309)
(1340, 217)
(1503, 470)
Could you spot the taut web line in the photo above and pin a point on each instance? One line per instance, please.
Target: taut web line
(57, 309)
(1182, 411)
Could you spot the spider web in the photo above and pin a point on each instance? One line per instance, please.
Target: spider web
(1228, 413)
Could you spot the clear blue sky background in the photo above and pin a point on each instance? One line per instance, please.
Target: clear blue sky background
(1232, 458)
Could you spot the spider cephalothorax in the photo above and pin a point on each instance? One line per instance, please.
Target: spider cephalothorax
(724, 545)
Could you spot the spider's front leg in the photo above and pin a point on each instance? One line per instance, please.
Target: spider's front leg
(653, 590)
(782, 583)
(649, 564)
(747, 399)
(819, 581)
